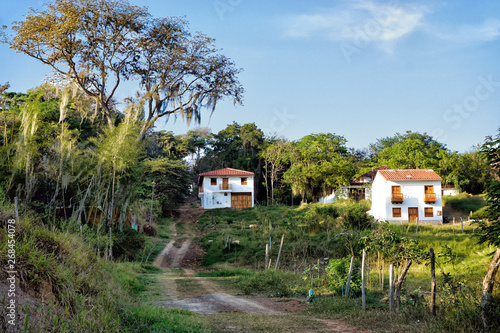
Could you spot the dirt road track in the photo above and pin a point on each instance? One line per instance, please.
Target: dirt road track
(182, 289)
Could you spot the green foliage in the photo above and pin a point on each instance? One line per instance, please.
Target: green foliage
(466, 203)
(468, 171)
(337, 272)
(80, 284)
(171, 182)
(408, 151)
(271, 282)
(148, 318)
(490, 232)
(225, 273)
(319, 165)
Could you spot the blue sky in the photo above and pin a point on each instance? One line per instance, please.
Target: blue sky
(362, 69)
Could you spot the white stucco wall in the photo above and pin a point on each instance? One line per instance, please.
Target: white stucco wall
(413, 196)
(213, 197)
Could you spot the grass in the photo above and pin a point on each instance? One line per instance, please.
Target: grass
(465, 202)
(153, 319)
(461, 265)
(84, 293)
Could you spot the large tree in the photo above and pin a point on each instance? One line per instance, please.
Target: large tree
(490, 232)
(97, 44)
(408, 151)
(322, 162)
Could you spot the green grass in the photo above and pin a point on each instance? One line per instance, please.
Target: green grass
(461, 264)
(153, 319)
(84, 293)
(465, 203)
(164, 228)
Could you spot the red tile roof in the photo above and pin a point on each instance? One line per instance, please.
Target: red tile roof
(227, 172)
(409, 174)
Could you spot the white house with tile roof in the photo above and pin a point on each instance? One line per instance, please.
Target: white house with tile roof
(405, 195)
(226, 188)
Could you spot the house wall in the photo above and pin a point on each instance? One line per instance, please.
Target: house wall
(212, 197)
(450, 191)
(413, 196)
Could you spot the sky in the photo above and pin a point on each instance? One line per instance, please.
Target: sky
(361, 69)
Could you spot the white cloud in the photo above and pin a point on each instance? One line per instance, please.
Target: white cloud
(488, 31)
(365, 20)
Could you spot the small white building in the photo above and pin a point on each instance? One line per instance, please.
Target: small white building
(226, 188)
(405, 195)
(449, 190)
(358, 189)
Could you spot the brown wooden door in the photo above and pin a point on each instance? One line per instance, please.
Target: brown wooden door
(225, 185)
(241, 200)
(429, 189)
(412, 214)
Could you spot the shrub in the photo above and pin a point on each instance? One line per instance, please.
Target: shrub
(337, 272)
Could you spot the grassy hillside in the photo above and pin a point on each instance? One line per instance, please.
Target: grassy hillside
(315, 232)
(64, 286)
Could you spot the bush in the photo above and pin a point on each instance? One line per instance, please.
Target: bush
(337, 272)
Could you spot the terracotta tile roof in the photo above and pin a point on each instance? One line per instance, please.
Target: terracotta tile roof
(409, 174)
(227, 172)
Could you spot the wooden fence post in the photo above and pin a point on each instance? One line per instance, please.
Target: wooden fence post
(391, 286)
(16, 204)
(279, 252)
(267, 257)
(349, 277)
(363, 298)
(433, 281)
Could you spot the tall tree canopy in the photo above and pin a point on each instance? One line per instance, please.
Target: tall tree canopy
(408, 151)
(99, 44)
(322, 162)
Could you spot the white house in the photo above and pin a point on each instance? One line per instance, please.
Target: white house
(401, 196)
(358, 189)
(226, 188)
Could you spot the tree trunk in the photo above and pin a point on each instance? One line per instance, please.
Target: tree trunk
(488, 284)
(400, 282)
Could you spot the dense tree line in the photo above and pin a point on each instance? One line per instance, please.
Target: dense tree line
(308, 168)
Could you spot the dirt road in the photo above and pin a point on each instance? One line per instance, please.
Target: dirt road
(182, 289)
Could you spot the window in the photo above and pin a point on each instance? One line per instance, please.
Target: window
(396, 212)
(396, 195)
(428, 212)
(438, 213)
(243, 181)
(213, 181)
(429, 189)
